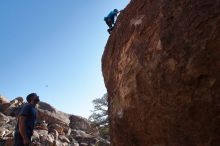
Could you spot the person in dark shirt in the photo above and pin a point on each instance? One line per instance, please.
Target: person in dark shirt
(110, 19)
(26, 121)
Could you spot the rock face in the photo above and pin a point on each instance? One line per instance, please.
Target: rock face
(161, 67)
(53, 128)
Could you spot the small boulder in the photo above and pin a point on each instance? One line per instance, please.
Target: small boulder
(56, 127)
(3, 119)
(83, 137)
(64, 139)
(102, 142)
(41, 125)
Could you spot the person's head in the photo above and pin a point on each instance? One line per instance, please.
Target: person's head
(33, 98)
(116, 10)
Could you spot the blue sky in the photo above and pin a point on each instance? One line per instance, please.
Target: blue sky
(54, 48)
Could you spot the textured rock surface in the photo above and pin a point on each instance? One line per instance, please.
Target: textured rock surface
(3, 100)
(161, 67)
(79, 123)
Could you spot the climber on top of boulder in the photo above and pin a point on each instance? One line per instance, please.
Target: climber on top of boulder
(110, 19)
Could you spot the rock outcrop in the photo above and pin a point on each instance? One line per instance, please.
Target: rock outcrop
(53, 127)
(161, 67)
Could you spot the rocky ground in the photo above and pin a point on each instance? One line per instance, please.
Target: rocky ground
(53, 128)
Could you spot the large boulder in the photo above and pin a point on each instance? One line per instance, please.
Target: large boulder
(3, 100)
(17, 101)
(13, 108)
(4, 103)
(83, 137)
(161, 68)
(3, 119)
(79, 123)
(57, 127)
(48, 113)
(46, 106)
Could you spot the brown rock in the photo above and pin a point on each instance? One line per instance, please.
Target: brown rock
(36, 135)
(53, 117)
(3, 132)
(83, 144)
(3, 119)
(11, 124)
(161, 68)
(3, 100)
(56, 127)
(41, 125)
(49, 114)
(12, 108)
(4, 103)
(64, 139)
(83, 137)
(55, 134)
(46, 106)
(45, 138)
(79, 123)
(17, 101)
(102, 142)
(4, 107)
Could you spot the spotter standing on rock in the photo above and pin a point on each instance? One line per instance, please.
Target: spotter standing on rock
(110, 19)
(26, 121)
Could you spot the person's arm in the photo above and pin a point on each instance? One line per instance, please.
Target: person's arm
(22, 129)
